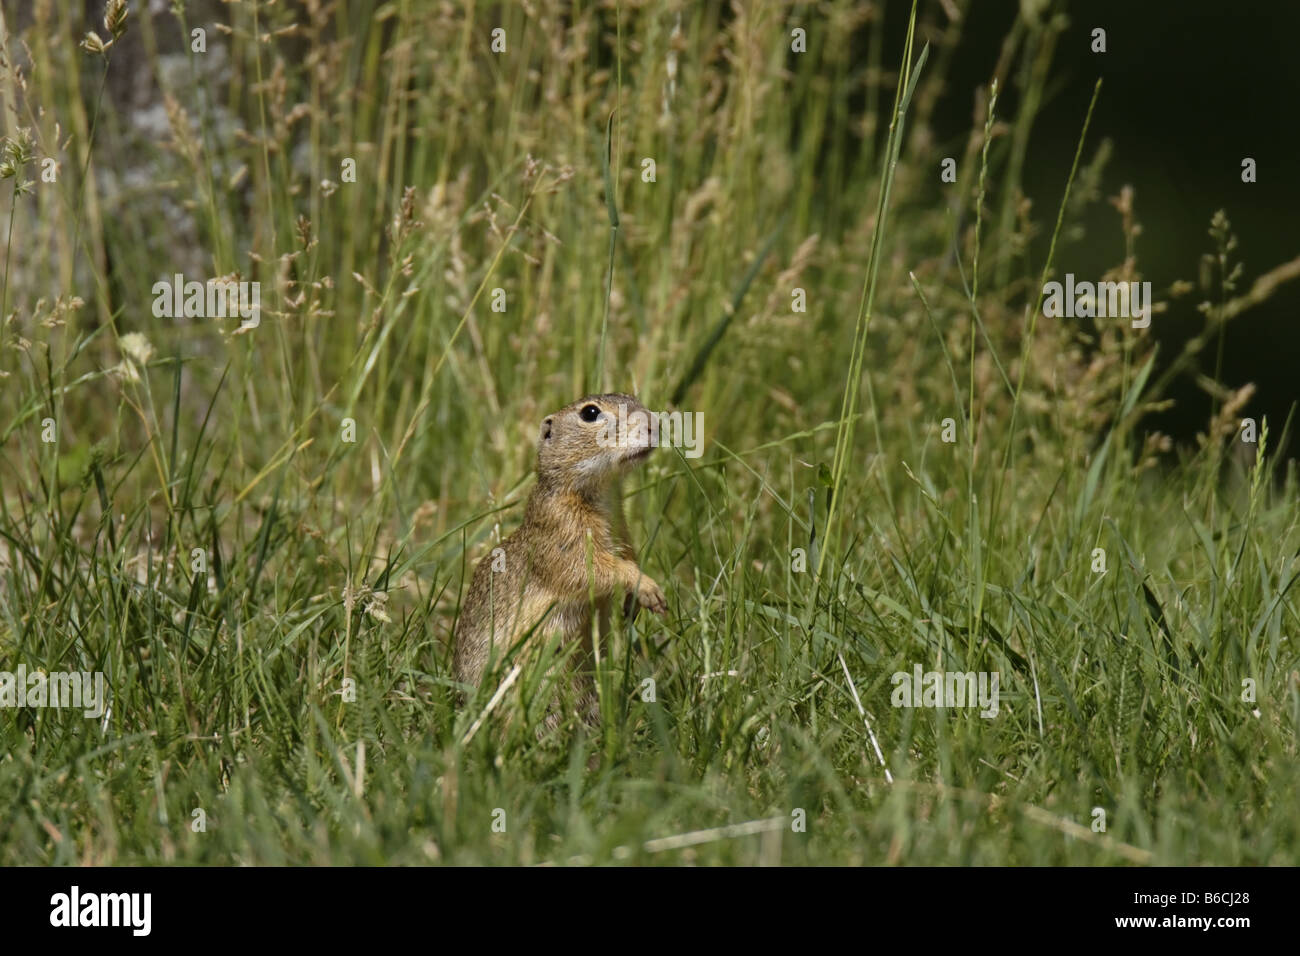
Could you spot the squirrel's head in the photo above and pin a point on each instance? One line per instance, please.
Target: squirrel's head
(597, 438)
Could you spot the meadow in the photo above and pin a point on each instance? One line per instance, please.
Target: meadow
(259, 526)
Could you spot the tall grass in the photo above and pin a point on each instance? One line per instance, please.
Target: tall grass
(271, 604)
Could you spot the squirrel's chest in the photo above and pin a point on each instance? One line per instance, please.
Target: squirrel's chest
(549, 613)
(556, 546)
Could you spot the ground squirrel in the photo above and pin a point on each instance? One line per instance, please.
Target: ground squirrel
(571, 555)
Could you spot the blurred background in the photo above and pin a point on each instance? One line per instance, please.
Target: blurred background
(1190, 88)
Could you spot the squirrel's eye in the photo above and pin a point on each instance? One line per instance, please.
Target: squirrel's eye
(589, 413)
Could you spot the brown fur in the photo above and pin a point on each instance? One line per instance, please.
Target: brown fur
(571, 555)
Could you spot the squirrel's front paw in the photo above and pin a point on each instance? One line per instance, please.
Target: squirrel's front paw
(651, 596)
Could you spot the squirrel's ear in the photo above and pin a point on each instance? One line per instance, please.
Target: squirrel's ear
(546, 429)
